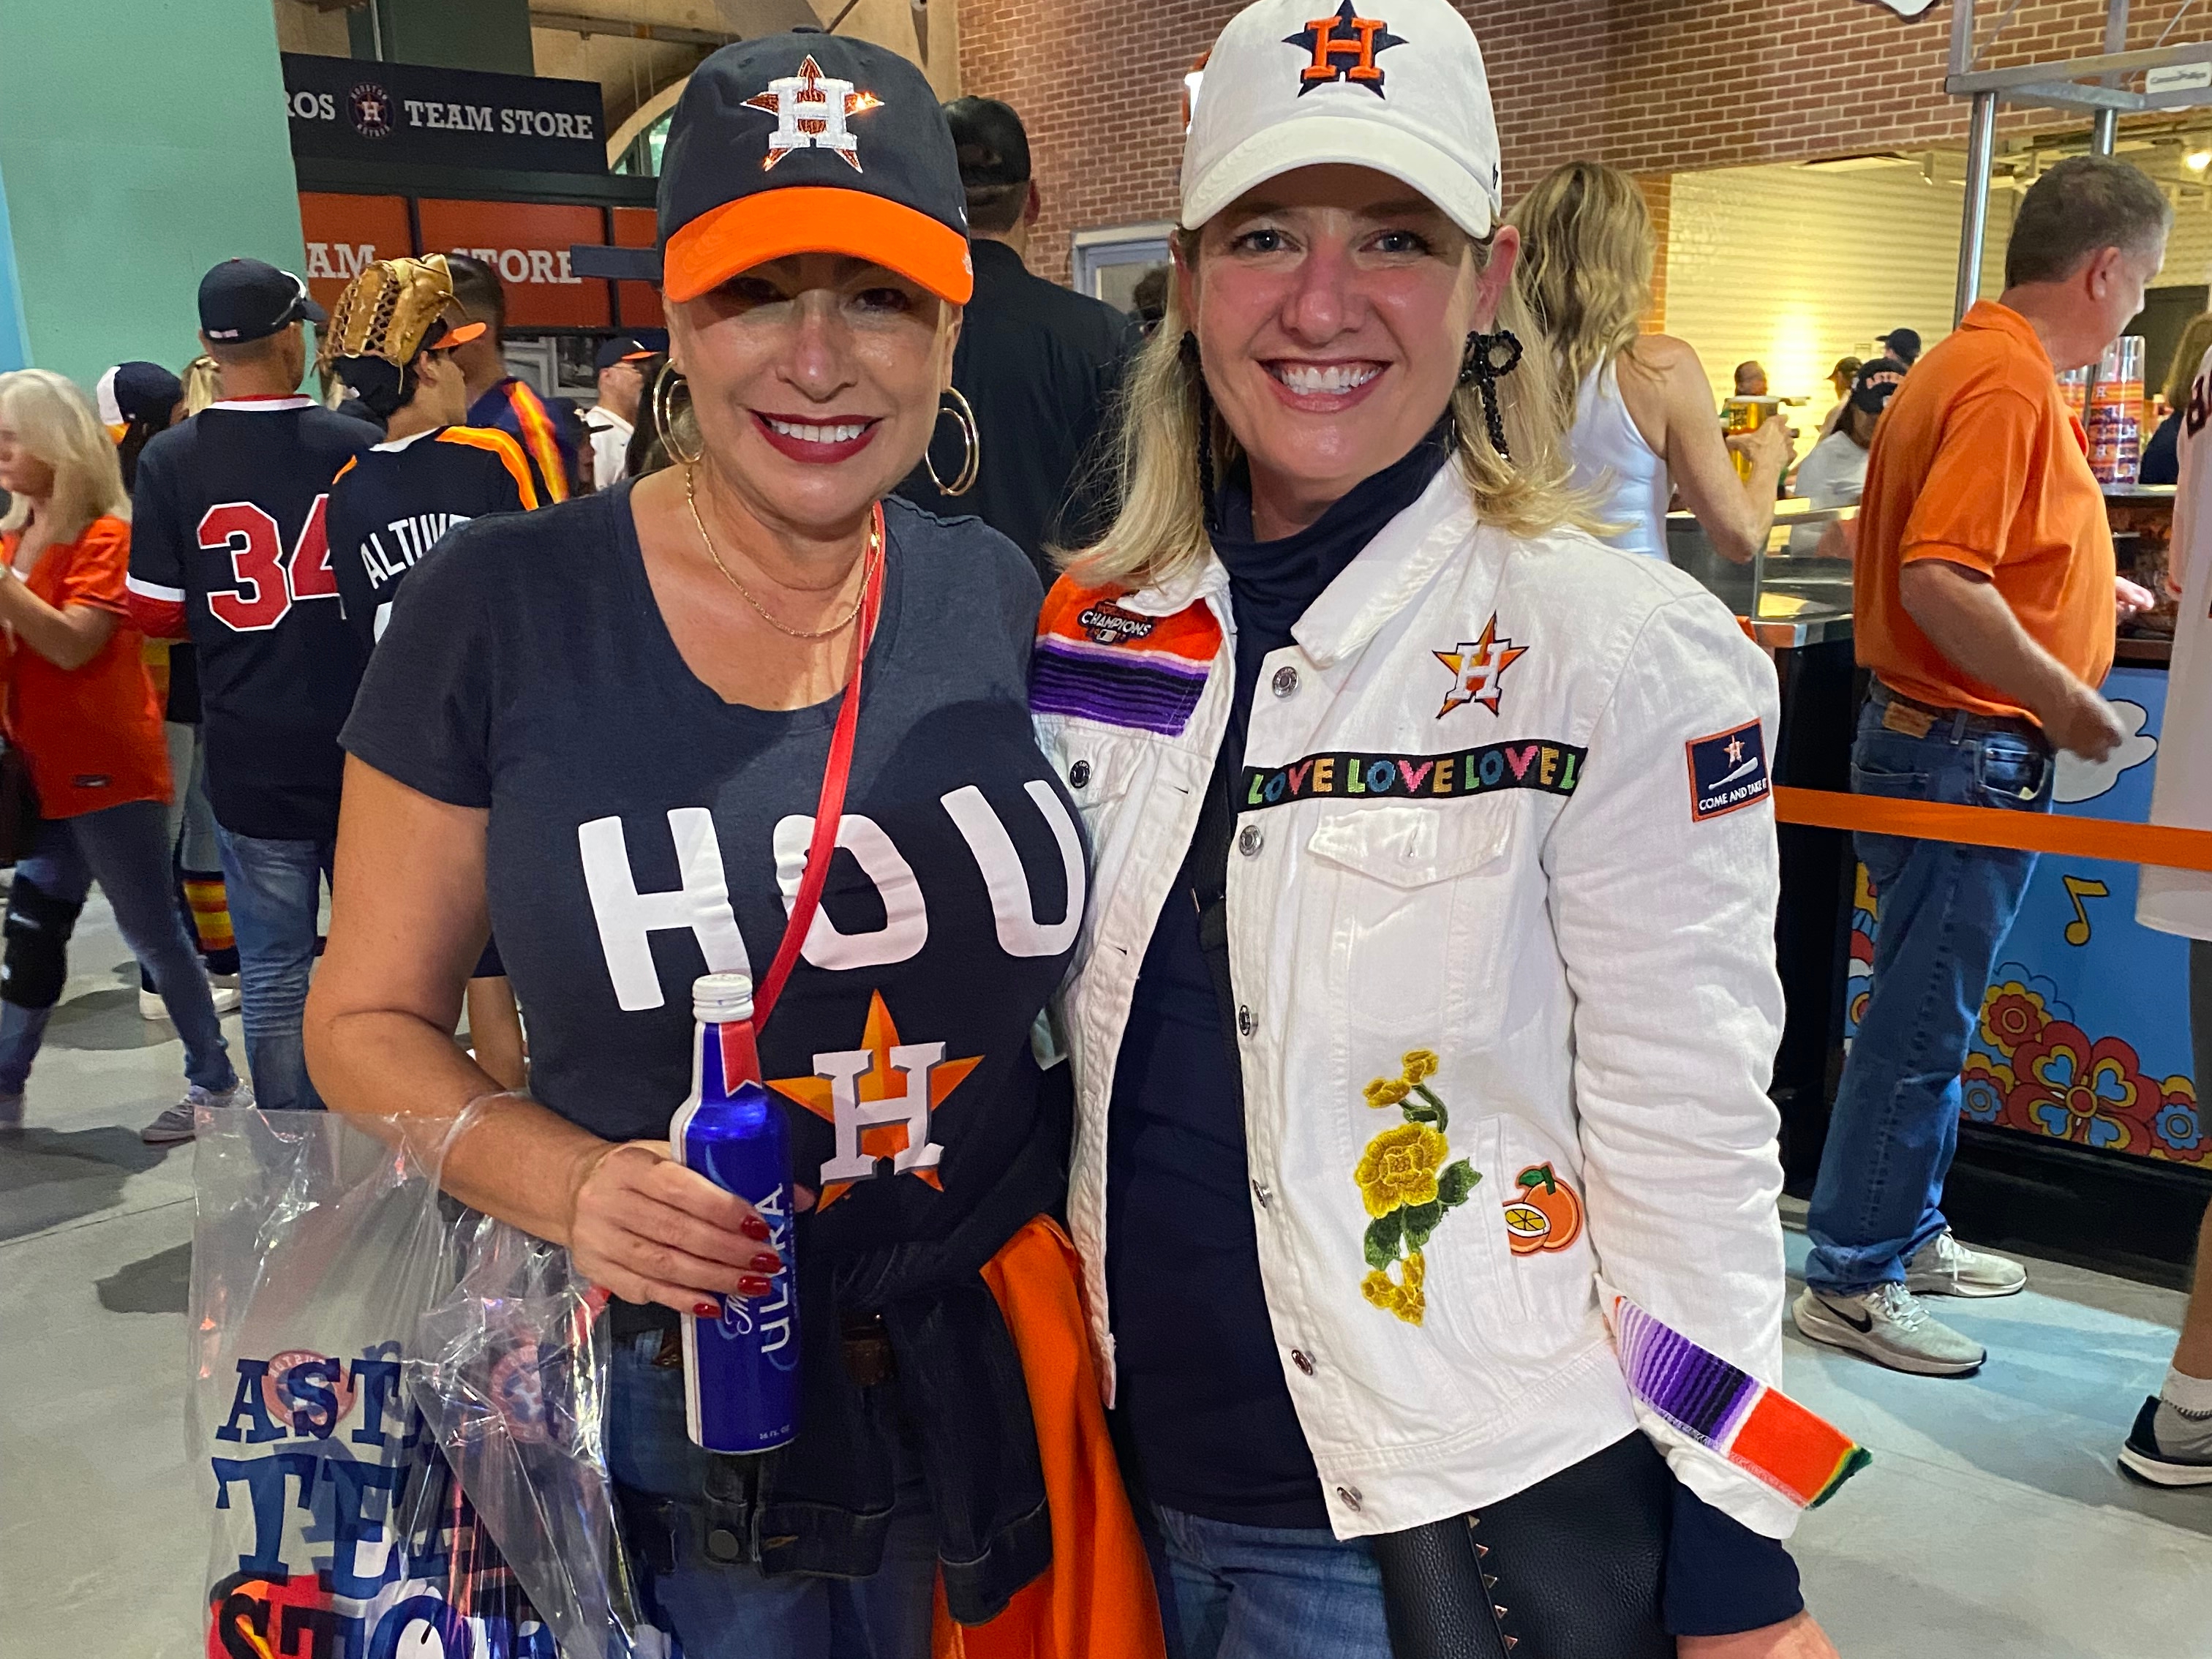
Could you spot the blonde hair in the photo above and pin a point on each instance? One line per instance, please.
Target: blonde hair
(1160, 531)
(55, 421)
(203, 384)
(2196, 339)
(1585, 270)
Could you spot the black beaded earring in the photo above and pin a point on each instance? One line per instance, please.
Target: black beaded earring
(1187, 350)
(1490, 357)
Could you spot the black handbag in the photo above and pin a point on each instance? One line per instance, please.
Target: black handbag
(18, 806)
(1569, 1569)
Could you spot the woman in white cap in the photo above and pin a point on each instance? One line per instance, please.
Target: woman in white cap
(1423, 1176)
(618, 730)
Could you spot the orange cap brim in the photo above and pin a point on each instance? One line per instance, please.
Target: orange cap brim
(775, 224)
(459, 335)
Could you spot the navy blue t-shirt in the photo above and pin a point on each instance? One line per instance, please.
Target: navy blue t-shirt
(642, 832)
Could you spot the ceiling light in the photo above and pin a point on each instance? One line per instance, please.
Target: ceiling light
(2198, 160)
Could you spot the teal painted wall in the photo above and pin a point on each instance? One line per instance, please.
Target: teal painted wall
(140, 141)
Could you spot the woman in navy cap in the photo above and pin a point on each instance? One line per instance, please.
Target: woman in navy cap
(603, 729)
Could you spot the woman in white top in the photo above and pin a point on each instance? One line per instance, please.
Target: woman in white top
(1640, 412)
(1834, 474)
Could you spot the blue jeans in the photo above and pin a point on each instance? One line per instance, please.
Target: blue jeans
(1238, 1592)
(1944, 911)
(275, 889)
(126, 849)
(733, 1612)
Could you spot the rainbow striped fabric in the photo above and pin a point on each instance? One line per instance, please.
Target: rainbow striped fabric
(1730, 1411)
(1095, 660)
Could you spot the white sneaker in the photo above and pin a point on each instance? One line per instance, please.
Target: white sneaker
(150, 1006)
(175, 1126)
(1888, 1326)
(1944, 1267)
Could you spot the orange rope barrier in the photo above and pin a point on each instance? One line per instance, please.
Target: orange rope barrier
(1995, 826)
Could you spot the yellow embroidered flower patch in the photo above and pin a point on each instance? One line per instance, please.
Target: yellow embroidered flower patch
(1401, 1297)
(1407, 1185)
(1399, 1168)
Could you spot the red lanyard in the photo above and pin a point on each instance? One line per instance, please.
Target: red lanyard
(831, 806)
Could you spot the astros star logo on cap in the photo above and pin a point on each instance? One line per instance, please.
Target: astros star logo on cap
(1344, 46)
(811, 110)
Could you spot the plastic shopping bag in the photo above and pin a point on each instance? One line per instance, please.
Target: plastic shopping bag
(399, 1404)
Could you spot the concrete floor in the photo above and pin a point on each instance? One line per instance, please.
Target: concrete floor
(1993, 1520)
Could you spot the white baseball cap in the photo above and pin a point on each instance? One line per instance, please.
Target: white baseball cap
(1395, 85)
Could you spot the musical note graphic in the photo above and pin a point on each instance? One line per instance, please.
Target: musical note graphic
(2077, 889)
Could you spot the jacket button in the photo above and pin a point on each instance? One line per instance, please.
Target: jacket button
(1244, 1021)
(1079, 775)
(1349, 1497)
(1260, 1193)
(1249, 840)
(1302, 1360)
(1285, 681)
(724, 1545)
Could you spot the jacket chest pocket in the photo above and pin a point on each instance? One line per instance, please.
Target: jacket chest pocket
(1098, 769)
(1420, 915)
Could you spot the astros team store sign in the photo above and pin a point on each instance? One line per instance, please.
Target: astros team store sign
(362, 110)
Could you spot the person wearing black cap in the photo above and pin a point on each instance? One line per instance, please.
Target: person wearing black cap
(501, 400)
(1903, 344)
(228, 549)
(138, 400)
(614, 417)
(1037, 363)
(1834, 472)
(625, 734)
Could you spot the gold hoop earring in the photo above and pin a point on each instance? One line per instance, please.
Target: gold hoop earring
(664, 414)
(971, 460)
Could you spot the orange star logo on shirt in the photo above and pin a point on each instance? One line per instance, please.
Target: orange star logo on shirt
(869, 1097)
(1479, 664)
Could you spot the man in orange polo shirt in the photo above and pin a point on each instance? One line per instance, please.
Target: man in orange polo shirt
(1985, 603)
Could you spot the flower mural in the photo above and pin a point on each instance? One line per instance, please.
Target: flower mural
(2031, 1067)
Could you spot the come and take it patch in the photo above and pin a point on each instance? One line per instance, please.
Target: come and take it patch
(1728, 771)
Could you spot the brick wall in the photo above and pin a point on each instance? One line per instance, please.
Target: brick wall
(1654, 86)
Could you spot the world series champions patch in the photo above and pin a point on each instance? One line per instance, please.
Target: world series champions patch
(1728, 771)
(1554, 768)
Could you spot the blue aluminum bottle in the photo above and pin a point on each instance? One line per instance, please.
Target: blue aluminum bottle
(741, 1371)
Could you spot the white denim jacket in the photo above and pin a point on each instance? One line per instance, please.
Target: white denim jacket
(1504, 864)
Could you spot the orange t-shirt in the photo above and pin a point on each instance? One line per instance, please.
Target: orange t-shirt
(92, 735)
(1978, 460)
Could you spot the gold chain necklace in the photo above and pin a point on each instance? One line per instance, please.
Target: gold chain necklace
(875, 551)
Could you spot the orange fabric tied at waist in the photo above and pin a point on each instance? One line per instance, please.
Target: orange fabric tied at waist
(1096, 1600)
(1995, 826)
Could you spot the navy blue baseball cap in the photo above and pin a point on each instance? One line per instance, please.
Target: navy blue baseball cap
(1877, 384)
(809, 143)
(243, 300)
(139, 392)
(622, 349)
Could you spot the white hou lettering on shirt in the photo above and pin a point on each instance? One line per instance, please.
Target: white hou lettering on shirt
(1013, 906)
(626, 918)
(906, 916)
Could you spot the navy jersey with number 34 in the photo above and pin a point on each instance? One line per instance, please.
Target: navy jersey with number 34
(229, 547)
